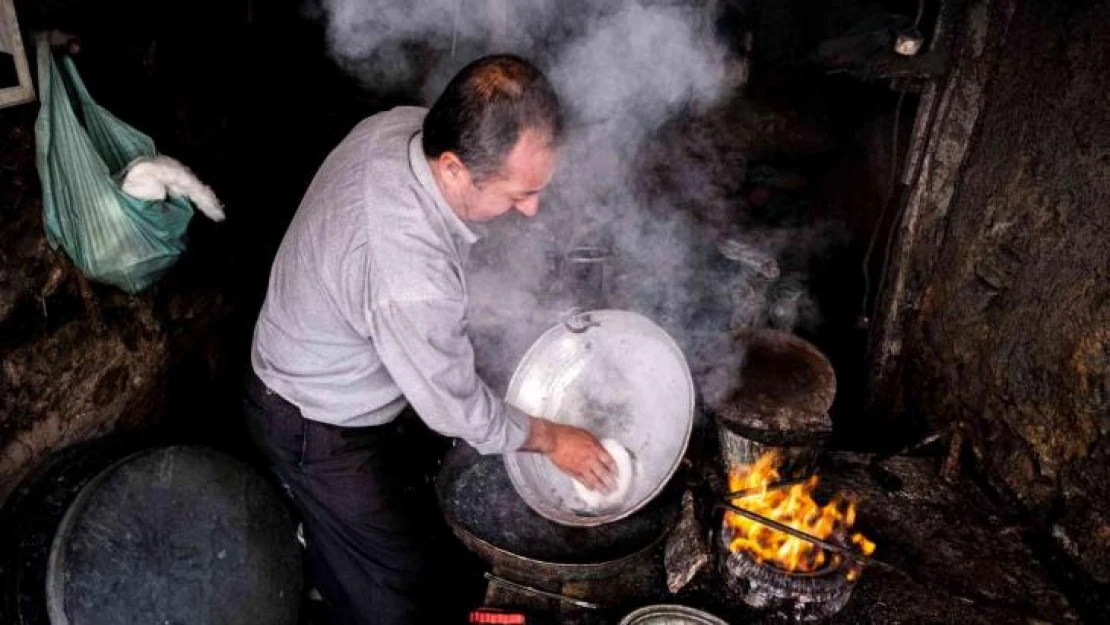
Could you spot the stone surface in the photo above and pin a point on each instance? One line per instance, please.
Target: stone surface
(685, 553)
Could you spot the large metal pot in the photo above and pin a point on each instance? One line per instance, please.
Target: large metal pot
(618, 375)
(487, 515)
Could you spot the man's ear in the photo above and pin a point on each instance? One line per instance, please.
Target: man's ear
(449, 162)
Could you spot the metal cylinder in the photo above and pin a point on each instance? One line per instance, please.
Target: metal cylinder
(794, 460)
(787, 389)
(584, 272)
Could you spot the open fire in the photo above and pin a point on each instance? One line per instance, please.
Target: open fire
(792, 506)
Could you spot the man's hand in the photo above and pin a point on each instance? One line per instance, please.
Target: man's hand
(575, 451)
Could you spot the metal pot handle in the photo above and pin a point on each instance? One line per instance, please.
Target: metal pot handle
(536, 592)
(577, 320)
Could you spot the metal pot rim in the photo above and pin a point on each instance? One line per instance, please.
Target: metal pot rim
(559, 567)
(670, 610)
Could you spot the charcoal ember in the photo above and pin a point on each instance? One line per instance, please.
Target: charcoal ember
(686, 552)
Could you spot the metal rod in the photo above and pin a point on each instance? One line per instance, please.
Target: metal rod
(786, 529)
(758, 490)
(909, 449)
(540, 593)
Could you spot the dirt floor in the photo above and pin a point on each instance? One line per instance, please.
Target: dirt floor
(949, 554)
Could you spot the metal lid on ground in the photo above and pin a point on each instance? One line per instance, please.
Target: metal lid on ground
(786, 389)
(175, 535)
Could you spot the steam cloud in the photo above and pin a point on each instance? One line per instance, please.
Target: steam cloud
(661, 199)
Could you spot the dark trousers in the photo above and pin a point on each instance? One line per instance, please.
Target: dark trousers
(365, 515)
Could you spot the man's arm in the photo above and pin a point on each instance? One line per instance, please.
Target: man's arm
(575, 451)
(425, 348)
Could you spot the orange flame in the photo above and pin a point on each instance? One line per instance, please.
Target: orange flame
(795, 507)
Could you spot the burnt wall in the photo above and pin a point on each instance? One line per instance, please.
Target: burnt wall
(77, 366)
(1007, 310)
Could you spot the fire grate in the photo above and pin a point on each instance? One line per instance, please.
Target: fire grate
(796, 596)
(789, 555)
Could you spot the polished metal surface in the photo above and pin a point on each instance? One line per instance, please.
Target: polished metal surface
(618, 375)
(670, 615)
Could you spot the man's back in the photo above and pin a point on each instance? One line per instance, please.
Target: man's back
(312, 340)
(366, 311)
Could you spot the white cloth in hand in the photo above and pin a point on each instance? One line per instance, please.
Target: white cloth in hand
(597, 501)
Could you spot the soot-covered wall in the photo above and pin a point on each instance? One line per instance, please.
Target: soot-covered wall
(1003, 301)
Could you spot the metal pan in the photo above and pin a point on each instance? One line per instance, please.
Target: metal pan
(487, 515)
(618, 375)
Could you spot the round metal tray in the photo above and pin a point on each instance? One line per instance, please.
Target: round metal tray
(175, 534)
(618, 375)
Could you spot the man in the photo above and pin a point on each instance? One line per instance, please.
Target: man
(366, 314)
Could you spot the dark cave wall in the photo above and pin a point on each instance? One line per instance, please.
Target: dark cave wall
(71, 371)
(73, 368)
(242, 93)
(1007, 313)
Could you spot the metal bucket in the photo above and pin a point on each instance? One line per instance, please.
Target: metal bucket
(670, 615)
(618, 375)
(789, 386)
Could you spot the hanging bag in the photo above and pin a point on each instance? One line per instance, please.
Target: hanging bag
(111, 236)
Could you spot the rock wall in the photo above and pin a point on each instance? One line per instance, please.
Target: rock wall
(1002, 301)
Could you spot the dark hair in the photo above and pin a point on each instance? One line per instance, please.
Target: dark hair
(486, 107)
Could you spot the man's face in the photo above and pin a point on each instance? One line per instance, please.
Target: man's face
(526, 171)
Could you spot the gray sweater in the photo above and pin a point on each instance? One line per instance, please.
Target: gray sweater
(366, 306)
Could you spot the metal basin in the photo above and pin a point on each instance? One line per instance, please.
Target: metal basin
(670, 615)
(618, 375)
(489, 517)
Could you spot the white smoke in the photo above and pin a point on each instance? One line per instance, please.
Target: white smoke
(624, 69)
(421, 43)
